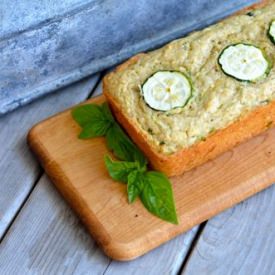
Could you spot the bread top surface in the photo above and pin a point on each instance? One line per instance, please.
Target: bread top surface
(217, 100)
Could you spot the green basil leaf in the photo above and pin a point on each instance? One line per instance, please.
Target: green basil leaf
(119, 170)
(95, 120)
(139, 157)
(153, 188)
(135, 185)
(86, 114)
(157, 196)
(97, 129)
(107, 112)
(123, 147)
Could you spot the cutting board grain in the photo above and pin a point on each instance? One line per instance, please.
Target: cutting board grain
(127, 231)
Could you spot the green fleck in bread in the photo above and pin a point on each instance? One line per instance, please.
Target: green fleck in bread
(222, 111)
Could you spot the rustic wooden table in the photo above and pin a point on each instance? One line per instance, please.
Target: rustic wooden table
(41, 235)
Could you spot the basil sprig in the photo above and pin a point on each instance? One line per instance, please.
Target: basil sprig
(153, 188)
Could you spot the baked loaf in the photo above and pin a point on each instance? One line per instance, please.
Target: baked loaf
(222, 111)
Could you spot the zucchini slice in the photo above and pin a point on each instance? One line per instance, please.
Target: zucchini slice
(271, 31)
(166, 90)
(244, 62)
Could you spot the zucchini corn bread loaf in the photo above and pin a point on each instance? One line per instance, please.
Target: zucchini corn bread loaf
(201, 95)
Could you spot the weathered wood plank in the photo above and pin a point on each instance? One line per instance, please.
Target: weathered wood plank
(18, 168)
(47, 238)
(98, 90)
(238, 241)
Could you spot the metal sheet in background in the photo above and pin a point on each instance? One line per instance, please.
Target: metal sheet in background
(45, 45)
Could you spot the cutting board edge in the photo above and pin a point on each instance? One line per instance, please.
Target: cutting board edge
(64, 186)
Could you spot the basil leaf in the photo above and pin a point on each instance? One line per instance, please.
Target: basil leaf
(97, 129)
(153, 188)
(135, 185)
(123, 147)
(119, 170)
(86, 114)
(95, 120)
(98, 121)
(157, 196)
(107, 112)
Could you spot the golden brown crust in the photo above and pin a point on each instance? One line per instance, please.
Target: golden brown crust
(221, 141)
(258, 5)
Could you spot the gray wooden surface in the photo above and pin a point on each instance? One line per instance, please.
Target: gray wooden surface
(40, 234)
(18, 169)
(239, 241)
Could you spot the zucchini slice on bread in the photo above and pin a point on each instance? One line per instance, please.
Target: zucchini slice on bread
(166, 90)
(271, 31)
(244, 62)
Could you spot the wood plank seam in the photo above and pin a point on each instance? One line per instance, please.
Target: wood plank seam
(107, 267)
(22, 204)
(192, 246)
(233, 233)
(101, 75)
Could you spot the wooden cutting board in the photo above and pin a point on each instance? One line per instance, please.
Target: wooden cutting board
(127, 231)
